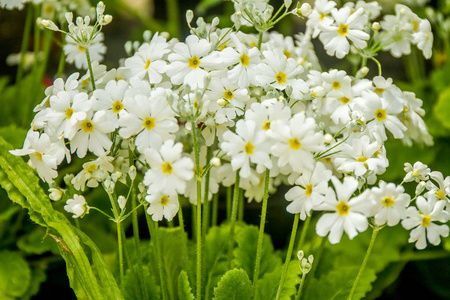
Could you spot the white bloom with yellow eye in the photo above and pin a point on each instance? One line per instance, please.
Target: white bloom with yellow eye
(76, 53)
(77, 206)
(391, 203)
(110, 99)
(424, 38)
(162, 205)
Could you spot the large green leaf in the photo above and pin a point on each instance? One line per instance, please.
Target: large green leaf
(36, 242)
(153, 289)
(15, 274)
(245, 253)
(442, 108)
(234, 285)
(184, 288)
(267, 287)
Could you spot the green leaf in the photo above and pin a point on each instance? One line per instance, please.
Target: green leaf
(37, 278)
(267, 287)
(153, 289)
(15, 274)
(234, 285)
(245, 253)
(184, 288)
(216, 259)
(173, 252)
(35, 242)
(8, 213)
(442, 108)
(14, 135)
(338, 283)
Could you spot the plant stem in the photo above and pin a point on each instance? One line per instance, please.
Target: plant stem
(229, 197)
(300, 288)
(199, 209)
(241, 206)
(120, 246)
(262, 225)
(137, 244)
(62, 59)
(91, 73)
(234, 210)
(288, 255)
(206, 206)
(25, 40)
(153, 229)
(260, 37)
(180, 218)
(304, 232)
(215, 209)
(365, 260)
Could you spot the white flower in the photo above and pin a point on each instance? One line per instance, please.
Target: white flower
(147, 62)
(77, 206)
(441, 190)
(93, 172)
(162, 204)
(391, 203)
(347, 214)
(309, 192)
(111, 97)
(421, 222)
(417, 172)
(168, 171)
(348, 26)
(424, 38)
(92, 134)
(321, 13)
(246, 146)
(42, 154)
(76, 53)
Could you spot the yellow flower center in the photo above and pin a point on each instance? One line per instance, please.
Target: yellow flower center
(440, 194)
(415, 25)
(149, 123)
(343, 30)
(117, 107)
(266, 125)
(361, 159)
(336, 85)
(147, 64)
(81, 48)
(343, 208)
(253, 44)
(426, 221)
(91, 168)
(322, 16)
(38, 155)
(194, 62)
(245, 61)
(167, 168)
(164, 200)
(287, 53)
(249, 148)
(87, 126)
(308, 190)
(380, 114)
(69, 113)
(294, 143)
(345, 100)
(378, 91)
(280, 77)
(228, 94)
(388, 201)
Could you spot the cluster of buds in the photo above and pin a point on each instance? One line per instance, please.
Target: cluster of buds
(305, 264)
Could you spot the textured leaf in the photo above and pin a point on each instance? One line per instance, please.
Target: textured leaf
(245, 253)
(153, 290)
(34, 242)
(184, 288)
(234, 285)
(174, 254)
(15, 274)
(267, 287)
(338, 283)
(216, 258)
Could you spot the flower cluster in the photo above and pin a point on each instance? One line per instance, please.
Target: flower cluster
(262, 104)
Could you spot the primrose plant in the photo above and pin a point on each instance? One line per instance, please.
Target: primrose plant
(179, 121)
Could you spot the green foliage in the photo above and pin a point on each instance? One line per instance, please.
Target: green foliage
(174, 254)
(37, 278)
(442, 108)
(184, 288)
(266, 287)
(36, 242)
(234, 285)
(337, 284)
(131, 290)
(245, 253)
(15, 274)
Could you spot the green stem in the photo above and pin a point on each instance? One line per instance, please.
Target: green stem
(260, 37)
(229, 197)
(120, 246)
(304, 232)
(262, 225)
(180, 218)
(206, 206)
(300, 288)
(153, 229)
(199, 208)
(62, 59)
(137, 244)
(234, 211)
(25, 40)
(364, 263)
(241, 206)
(91, 73)
(288, 255)
(135, 278)
(173, 17)
(215, 209)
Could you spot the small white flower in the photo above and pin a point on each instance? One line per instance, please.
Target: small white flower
(162, 205)
(76, 53)
(424, 38)
(418, 172)
(391, 203)
(77, 206)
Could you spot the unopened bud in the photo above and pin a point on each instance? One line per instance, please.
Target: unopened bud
(122, 201)
(300, 255)
(68, 179)
(215, 22)
(132, 172)
(107, 19)
(189, 16)
(49, 25)
(147, 35)
(287, 3)
(222, 102)
(305, 10)
(55, 194)
(215, 161)
(128, 47)
(420, 187)
(328, 138)
(376, 26)
(69, 17)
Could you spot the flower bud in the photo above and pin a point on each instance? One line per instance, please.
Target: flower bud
(68, 179)
(420, 187)
(376, 26)
(132, 172)
(100, 8)
(215, 22)
(189, 16)
(69, 17)
(215, 161)
(122, 202)
(300, 255)
(305, 10)
(55, 194)
(49, 25)
(287, 3)
(222, 102)
(107, 19)
(147, 35)
(129, 47)
(328, 138)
